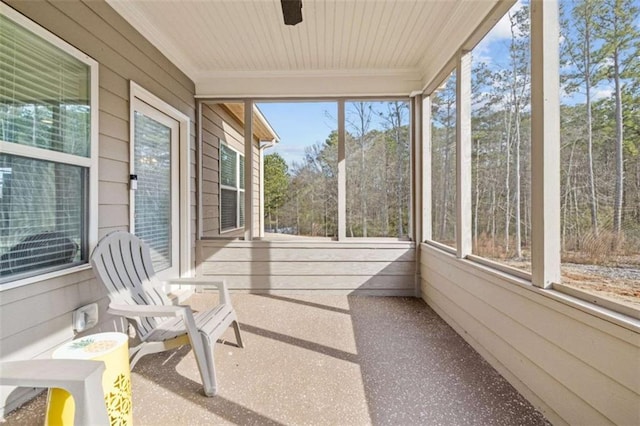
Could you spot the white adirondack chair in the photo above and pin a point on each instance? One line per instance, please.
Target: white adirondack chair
(122, 263)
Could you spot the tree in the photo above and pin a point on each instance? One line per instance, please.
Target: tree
(276, 185)
(578, 52)
(395, 120)
(359, 117)
(520, 88)
(616, 27)
(443, 163)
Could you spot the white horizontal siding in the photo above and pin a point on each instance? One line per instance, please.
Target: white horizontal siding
(219, 126)
(576, 367)
(375, 268)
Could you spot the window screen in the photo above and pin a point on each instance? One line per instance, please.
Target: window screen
(228, 208)
(44, 93)
(232, 189)
(228, 166)
(241, 171)
(153, 196)
(42, 213)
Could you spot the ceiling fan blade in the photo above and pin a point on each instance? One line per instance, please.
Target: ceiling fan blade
(292, 11)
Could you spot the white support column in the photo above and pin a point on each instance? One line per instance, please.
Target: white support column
(545, 144)
(199, 178)
(342, 177)
(248, 171)
(416, 167)
(426, 169)
(463, 150)
(416, 190)
(261, 172)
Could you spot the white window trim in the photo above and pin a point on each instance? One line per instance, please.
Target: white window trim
(90, 163)
(239, 191)
(138, 92)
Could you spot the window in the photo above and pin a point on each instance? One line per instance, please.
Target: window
(231, 189)
(47, 123)
(443, 162)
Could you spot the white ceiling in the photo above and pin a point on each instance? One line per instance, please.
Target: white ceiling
(342, 47)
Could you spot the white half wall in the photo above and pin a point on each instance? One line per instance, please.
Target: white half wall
(575, 366)
(362, 268)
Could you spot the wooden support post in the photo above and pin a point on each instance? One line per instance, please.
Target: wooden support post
(342, 177)
(248, 171)
(416, 167)
(545, 144)
(199, 171)
(416, 191)
(426, 170)
(463, 150)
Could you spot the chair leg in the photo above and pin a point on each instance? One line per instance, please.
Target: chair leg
(236, 328)
(144, 350)
(134, 355)
(203, 351)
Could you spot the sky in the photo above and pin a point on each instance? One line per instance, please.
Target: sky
(302, 124)
(299, 124)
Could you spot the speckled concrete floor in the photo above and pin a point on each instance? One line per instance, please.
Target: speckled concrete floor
(326, 360)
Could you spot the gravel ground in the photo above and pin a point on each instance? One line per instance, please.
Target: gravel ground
(617, 273)
(620, 283)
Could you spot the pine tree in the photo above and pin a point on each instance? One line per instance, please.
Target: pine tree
(616, 27)
(578, 54)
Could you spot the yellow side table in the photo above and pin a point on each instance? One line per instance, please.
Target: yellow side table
(113, 349)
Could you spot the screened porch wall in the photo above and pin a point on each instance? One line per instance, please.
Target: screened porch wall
(37, 317)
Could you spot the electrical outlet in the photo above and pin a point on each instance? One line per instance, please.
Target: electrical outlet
(85, 317)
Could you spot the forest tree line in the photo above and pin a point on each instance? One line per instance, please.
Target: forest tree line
(600, 139)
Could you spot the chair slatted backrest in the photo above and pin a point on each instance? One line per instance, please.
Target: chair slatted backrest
(122, 263)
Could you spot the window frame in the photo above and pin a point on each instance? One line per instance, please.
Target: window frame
(453, 71)
(89, 163)
(240, 192)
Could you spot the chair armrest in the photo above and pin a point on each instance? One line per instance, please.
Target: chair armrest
(134, 311)
(220, 285)
(48, 372)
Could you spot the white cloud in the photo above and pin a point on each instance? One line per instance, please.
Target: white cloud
(482, 56)
(502, 30)
(485, 50)
(291, 153)
(601, 93)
